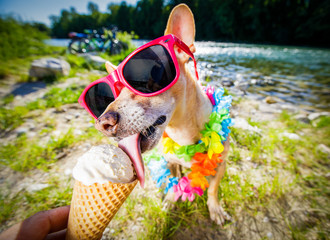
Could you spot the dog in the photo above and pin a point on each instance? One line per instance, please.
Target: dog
(138, 122)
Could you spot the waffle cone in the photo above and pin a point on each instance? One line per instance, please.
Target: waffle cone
(93, 207)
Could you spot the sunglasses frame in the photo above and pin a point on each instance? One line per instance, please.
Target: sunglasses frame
(116, 79)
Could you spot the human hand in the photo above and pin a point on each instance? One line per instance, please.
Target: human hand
(48, 225)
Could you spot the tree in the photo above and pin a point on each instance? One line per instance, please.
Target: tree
(93, 8)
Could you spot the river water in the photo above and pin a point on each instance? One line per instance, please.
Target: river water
(297, 75)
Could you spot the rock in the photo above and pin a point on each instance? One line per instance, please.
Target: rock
(323, 148)
(302, 118)
(291, 136)
(36, 187)
(227, 83)
(270, 100)
(95, 60)
(243, 124)
(47, 67)
(314, 116)
(21, 130)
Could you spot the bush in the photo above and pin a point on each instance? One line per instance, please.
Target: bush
(20, 39)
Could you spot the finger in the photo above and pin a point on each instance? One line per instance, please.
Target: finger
(56, 235)
(42, 223)
(57, 218)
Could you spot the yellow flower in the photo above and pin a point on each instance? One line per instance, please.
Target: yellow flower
(169, 145)
(213, 143)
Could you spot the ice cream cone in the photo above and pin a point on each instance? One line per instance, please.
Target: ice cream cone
(93, 207)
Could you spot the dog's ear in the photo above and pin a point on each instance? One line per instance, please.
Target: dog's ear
(181, 23)
(110, 67)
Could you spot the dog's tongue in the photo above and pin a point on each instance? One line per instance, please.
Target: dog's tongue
(131, 146)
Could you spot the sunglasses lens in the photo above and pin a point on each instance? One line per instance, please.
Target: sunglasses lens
(150, 70)
(98, 98)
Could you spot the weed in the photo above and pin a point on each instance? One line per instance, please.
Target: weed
(7, 205)
(56, 195)
(250, 141)
(25, 154)
(8, 99)
(77, 62)
(12, 118)
(234, 153)
(292, 124)
(324, 121)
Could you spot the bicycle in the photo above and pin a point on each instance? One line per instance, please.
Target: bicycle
(92, 40)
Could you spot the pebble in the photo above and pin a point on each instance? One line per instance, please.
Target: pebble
(269, 235)
(270, 100)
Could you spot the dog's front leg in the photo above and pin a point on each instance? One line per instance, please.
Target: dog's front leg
(217, 213)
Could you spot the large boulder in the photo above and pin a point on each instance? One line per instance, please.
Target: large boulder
(48, 67)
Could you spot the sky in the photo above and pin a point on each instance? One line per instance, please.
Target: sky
(40, 10)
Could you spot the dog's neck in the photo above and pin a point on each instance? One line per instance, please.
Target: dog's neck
(192, 111)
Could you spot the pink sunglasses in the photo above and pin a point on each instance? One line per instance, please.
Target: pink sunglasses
(148, 71)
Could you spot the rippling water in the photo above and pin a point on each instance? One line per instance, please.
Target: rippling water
(296, 75)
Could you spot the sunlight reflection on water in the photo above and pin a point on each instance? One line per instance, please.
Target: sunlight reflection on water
(297, 75)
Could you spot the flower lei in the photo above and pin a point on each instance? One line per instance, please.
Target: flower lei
(206, 152)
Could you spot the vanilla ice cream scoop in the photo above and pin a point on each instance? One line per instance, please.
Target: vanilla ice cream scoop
(102, 164)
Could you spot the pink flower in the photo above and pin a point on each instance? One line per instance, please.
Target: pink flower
(209, 90)
(184, 190)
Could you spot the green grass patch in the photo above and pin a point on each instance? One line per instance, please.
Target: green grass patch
(25, 153)
(12, 118)
(7, 205)
(290, 122)
(249, 140)
(57, 97)
(56, 195)
(25, 204)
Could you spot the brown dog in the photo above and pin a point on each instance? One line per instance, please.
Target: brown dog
(139, 122)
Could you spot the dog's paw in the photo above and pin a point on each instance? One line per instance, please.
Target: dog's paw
(217, 214)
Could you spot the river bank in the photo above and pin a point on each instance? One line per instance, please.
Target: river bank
(276, 185)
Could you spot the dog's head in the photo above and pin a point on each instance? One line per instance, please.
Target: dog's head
(138, 122)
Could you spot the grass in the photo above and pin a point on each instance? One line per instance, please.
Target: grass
(55, 97)
(57, 194)
(25, 204)
(24, 154)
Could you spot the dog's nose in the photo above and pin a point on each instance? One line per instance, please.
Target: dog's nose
(108, 123)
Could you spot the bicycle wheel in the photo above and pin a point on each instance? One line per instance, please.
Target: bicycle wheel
(79, 46)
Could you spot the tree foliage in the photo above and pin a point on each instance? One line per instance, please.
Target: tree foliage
(301, 22)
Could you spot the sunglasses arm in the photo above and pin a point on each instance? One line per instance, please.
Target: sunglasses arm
(114, 79)
(186, 49)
